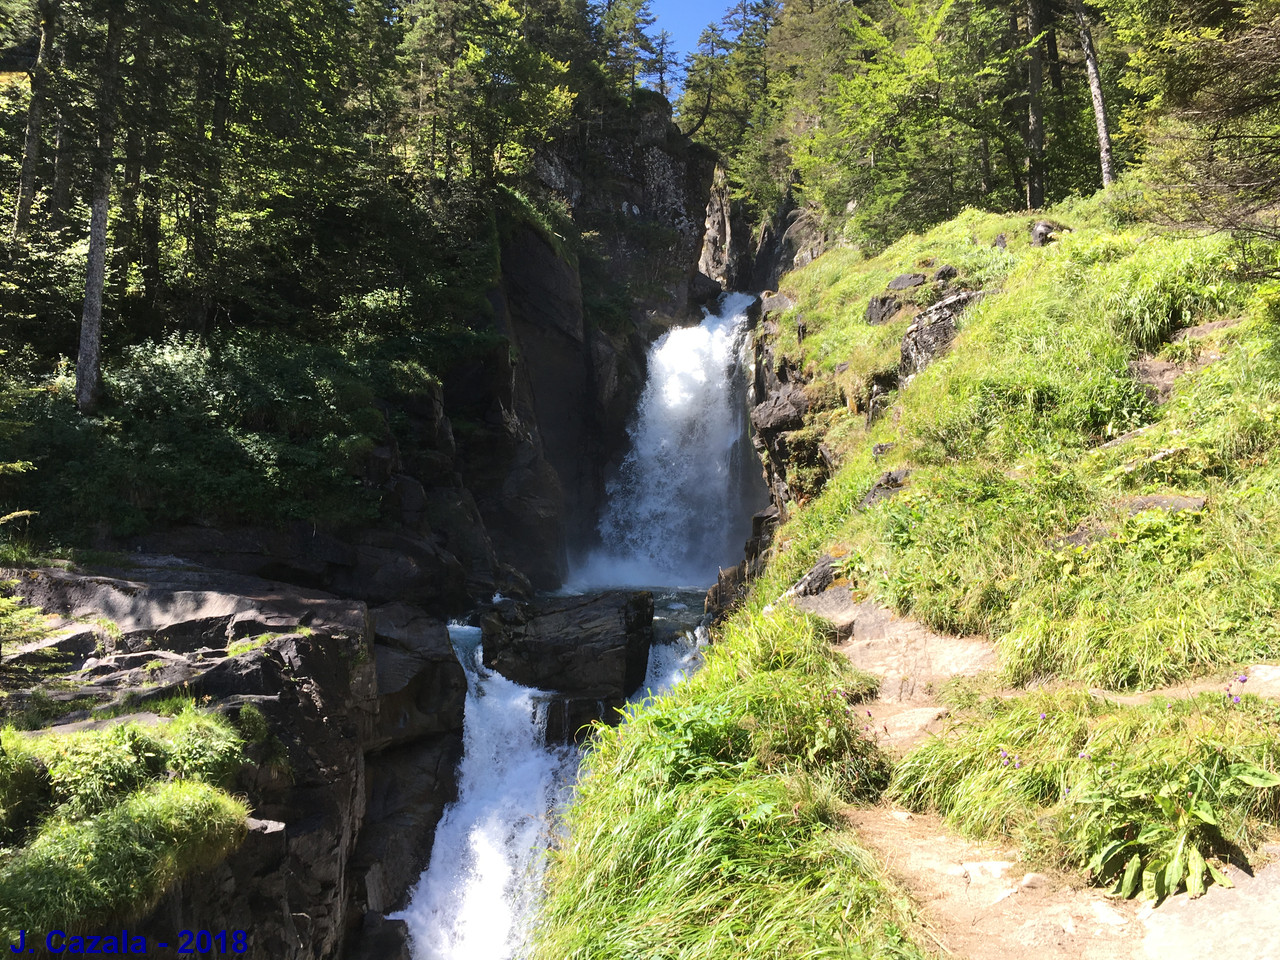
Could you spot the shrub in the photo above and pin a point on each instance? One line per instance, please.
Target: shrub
(113, 867)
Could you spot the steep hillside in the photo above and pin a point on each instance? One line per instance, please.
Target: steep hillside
(1000, 507)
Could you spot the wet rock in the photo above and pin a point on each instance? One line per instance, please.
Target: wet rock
(907, 281)
(889, 484)
(729, 589)
(407, 790)
(382, 939)
(592, 647)
(931, 333)
(703, 290)
(882, 309)
(421, 686)
(783, 410)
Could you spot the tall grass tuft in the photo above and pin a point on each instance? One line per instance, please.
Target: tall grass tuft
(113, 867)
(706, 825)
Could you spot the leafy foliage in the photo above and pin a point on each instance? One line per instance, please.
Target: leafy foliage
(1142, 797)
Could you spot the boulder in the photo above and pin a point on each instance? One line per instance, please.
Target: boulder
(1043, 232)
(907, 281)
(592, 647)
(422, 689)
(882, 309)
(703, 291)
(776, 303)
(783, 410)
(946, 273)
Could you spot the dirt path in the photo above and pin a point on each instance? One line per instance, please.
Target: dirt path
(979, 902)
(976, 900)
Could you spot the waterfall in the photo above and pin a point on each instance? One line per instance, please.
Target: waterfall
(477, 898)
(473, 902)
(680, 507)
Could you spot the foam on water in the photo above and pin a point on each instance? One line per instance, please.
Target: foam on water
(474, 900)
(680, 507)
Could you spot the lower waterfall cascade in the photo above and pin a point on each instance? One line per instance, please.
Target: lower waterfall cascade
(679, 508)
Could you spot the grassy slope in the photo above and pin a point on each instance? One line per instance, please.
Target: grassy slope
(1004, 439)
(96, 826)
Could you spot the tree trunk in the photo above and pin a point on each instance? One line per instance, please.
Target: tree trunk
(89, 361)
(1095, 90)
(149, 227)
(1035, 109)
(35, 119)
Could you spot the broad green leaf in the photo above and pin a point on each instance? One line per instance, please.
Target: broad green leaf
(1219, 877)
(1132, 876)
(1195, 873)
(1205, 812)
(1257, 777)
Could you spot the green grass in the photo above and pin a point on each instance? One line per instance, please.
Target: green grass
(1003, 435)
(707, 825)
(92, 873)
(1141, 796)
(96, 825)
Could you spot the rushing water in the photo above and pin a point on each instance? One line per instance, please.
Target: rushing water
(473, 901)
(680, 507)
(678, 510)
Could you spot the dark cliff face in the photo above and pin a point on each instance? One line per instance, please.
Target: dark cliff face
(641, 189)
(541, 419)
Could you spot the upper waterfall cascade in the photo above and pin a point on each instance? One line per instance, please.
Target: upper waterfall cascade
(681, 504)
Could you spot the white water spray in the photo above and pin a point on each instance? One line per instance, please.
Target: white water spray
(681, 505)
(475, 900)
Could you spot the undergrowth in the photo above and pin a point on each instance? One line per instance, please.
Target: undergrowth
(1140, 797)
(707, 824)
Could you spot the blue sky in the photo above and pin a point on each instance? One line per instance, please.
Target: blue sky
(685, 20)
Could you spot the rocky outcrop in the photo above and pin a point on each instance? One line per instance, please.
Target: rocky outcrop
(363, 729)
(931, 333)
(907, 281)
(642, 189)
(882, 309)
